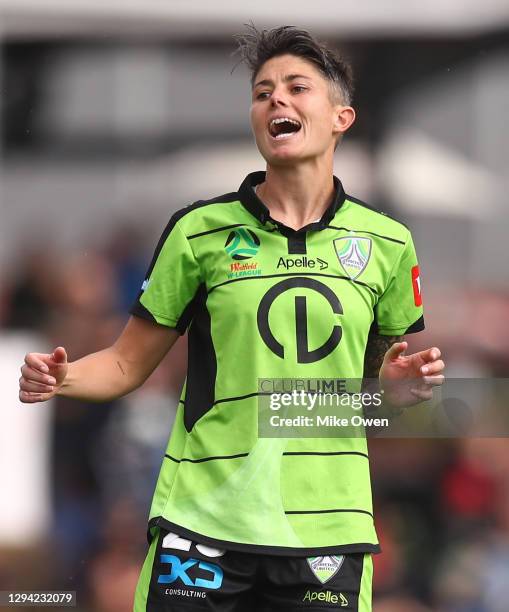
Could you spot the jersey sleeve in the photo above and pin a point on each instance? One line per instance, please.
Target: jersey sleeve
(172, 281)
(399, 309)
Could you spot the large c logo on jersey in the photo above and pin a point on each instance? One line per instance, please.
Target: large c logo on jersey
(304, 353)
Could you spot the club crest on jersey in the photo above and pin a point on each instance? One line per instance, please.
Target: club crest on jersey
(353, 253)
(324, 568)
(242, 244)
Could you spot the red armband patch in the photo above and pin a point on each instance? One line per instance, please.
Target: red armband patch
(416, 284)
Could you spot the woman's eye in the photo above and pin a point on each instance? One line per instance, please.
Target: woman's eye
(298, 88)
(262, 95)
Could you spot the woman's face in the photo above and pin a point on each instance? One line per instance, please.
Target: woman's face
(289, 87)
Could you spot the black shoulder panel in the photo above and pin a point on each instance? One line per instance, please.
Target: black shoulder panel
(417, 326)
(229, 197)
(380, 212)
(222, 199)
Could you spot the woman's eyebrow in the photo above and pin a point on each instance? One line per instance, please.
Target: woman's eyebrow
(286, 79)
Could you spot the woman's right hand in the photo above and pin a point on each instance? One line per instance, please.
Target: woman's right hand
(42, 375)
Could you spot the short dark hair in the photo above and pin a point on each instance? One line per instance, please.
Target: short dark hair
(257, 47)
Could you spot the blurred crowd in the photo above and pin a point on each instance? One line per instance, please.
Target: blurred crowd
(441, 506)
(104, 457)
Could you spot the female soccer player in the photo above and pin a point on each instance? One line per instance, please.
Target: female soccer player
(286, 278)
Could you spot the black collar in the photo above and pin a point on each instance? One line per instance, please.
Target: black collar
(258, 209)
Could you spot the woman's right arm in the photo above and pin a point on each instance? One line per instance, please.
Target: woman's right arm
(102, 376)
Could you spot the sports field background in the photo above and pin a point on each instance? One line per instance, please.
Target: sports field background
(111, 118)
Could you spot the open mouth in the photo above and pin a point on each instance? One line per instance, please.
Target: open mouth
(283, 127)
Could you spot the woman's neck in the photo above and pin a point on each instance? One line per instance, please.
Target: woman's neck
(297, 196)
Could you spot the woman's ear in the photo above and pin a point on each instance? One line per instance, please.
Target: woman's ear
(344, 116)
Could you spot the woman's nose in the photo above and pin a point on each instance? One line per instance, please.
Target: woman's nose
(278, 98)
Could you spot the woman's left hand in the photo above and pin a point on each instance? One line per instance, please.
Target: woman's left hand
(409, 379)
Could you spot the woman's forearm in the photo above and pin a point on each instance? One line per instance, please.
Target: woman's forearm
(100, 377)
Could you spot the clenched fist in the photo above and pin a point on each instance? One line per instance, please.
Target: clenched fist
(42, 375)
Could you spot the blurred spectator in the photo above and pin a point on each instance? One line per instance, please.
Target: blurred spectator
(399, 604)
(29, 295)
(130, 449)
(126, 252)
(114, 569)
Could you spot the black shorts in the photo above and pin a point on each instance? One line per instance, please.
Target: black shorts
(182, 576)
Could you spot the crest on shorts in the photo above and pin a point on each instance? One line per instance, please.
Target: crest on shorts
(324, 568)
(353, 253)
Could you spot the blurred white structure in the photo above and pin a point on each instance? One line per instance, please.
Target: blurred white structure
(444, 161)
(24, 452)
(179, 123)
(180, 18)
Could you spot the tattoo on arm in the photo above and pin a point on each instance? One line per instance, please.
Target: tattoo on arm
(376, 348)
(121, 368)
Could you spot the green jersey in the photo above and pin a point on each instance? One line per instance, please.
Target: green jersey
(260, 300)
